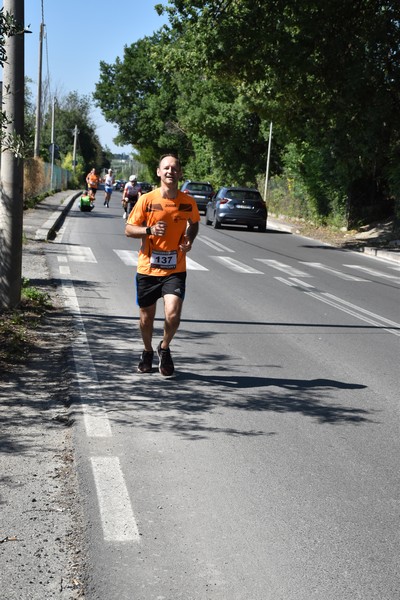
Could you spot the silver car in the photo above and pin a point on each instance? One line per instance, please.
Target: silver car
(237, 206)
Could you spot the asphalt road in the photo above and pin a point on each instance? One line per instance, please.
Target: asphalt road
(268, 468)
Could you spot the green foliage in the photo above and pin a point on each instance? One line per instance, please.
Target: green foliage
(79, 176)
(301, 191)
(8, 140)
(69, 111)
(33, 294)
(326, 74)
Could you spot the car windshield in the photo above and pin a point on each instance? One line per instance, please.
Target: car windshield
(241, 195)
(199, 187)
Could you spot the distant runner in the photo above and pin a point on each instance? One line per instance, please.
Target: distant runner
(108, 187)
(92, 183)
(130, 195)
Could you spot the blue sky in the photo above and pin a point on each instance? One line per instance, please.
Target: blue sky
(106, 26)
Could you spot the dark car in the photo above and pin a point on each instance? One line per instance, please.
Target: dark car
(119, 184)
(201, 191)
(145, 186)
(237, 206)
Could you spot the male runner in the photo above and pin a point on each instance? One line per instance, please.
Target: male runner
(167, 221)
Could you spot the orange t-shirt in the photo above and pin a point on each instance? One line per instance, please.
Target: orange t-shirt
(92, 180)
(161, 255)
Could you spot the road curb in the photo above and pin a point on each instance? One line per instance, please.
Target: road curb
(49, 229)
(383, 254)
(367, 250)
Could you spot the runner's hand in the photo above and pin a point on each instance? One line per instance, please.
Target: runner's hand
(186, 244)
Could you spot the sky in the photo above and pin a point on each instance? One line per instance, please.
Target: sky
(73, 65)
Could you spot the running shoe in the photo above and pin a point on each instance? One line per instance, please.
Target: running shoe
(146, 362)
(166, 365)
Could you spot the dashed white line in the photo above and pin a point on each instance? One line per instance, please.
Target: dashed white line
(192, 265)
(81, 254)
(394, 278)
(347, 307)
(128, 257)
(339, 274)
(235, 265)
(290, 271)
(213, 244)
(116, 512)
(95, 417)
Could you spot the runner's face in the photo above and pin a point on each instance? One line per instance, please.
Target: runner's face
(169, 170)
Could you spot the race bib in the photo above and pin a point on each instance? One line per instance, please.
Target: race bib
(163, 260)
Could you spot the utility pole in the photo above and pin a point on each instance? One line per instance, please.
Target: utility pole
(39, 96)
(76, 131)
(1, 110)
(12, 172)
(267, 167)
(52, 144)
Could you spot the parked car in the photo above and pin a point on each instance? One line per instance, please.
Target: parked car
(145, 186)
(119, 184)
(237, 206)
(201, 191)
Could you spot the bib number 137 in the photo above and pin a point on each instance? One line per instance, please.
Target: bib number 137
(163, 260)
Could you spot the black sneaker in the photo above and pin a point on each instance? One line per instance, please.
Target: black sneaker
(146, 362)
(166, 365)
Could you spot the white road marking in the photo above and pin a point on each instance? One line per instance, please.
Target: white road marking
(357, 312)
(290, 271)
(286, 281)
(213, 244)
(65, 270)
(394, 278)
(302, 284)
(81, 254)
(95, 417)
(344, 306)
(192, 265)
(116, 512)
(128, 257)
(62, 259)
(235, 265)
(333, 271)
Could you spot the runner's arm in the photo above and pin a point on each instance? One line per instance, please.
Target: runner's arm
(139, 231)
(189, 237)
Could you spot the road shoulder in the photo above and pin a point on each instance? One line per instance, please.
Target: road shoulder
(41, 527)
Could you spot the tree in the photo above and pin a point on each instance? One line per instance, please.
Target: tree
(141, 101)
(71, 110)
(205, 121)
(326, 73)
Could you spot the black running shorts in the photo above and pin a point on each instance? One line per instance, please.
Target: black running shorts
(150, 288)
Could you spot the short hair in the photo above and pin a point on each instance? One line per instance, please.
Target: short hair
(173, 156)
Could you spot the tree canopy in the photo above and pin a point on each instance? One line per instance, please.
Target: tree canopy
(327, 75)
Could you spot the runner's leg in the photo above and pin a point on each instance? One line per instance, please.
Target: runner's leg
(172, 310)
(146, 324)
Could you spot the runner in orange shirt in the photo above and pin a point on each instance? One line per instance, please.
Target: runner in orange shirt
(167, 221)
(92, 182)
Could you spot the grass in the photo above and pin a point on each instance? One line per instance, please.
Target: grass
(18, 326)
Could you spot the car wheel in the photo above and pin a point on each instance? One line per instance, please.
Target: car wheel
(216, 224)
(262, 227)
